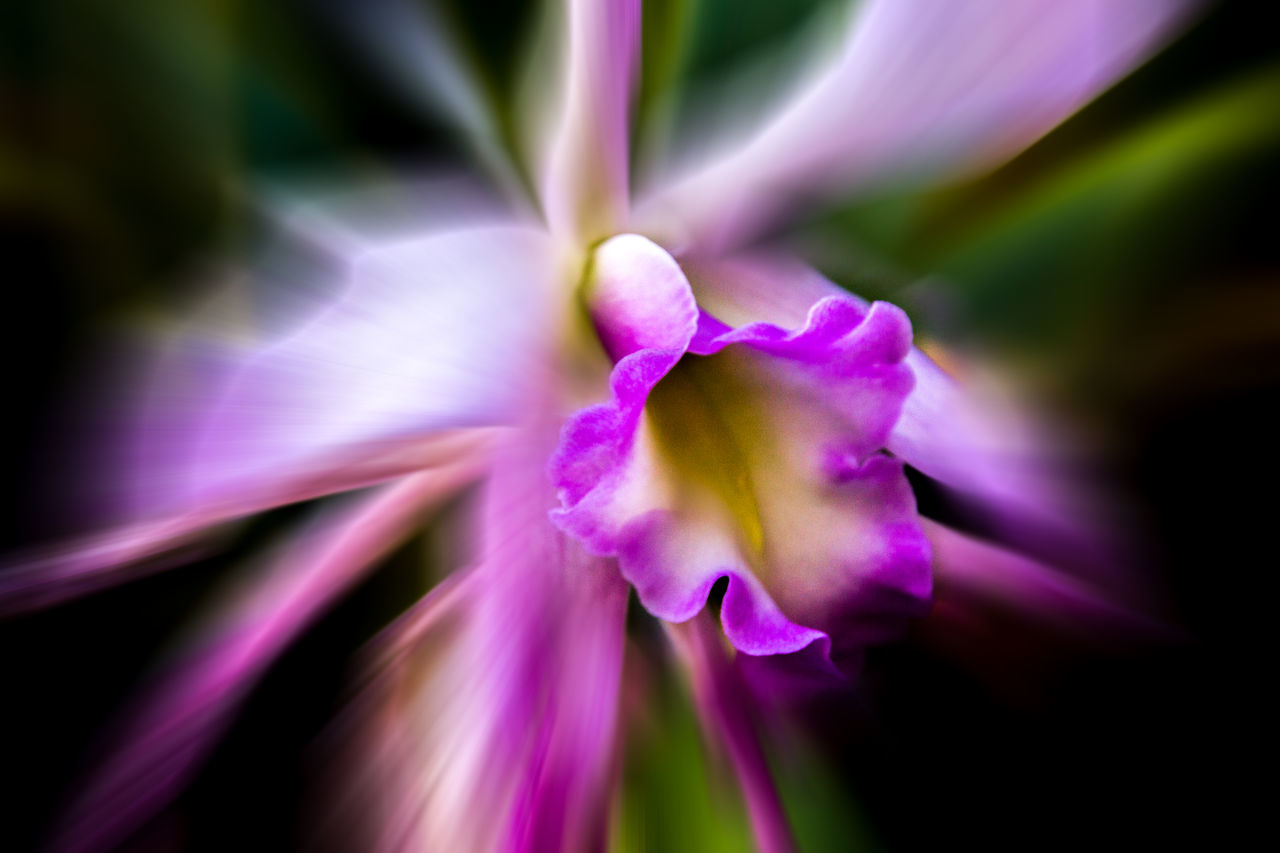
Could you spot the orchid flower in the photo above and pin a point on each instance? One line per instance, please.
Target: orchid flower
(651, 399)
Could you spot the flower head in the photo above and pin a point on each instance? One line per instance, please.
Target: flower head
(646, 401)
(751, 454)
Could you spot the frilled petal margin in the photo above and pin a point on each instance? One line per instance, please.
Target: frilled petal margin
(995, 457)
(749, 454)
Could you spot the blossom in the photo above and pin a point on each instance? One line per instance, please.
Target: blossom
(650, 399)
(757, 460)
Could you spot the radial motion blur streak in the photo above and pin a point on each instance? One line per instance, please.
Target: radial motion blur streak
(605, 425)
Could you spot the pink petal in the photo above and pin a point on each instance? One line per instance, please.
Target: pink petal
(180, 718)
(639, 298)
(923, 87)
(991, 453)
(585, 188)
(424, 341)
(973, 572)
(831, 525)
(490, 721)
(724, 706)
(1003, 463)
(81, 566)
(433, 339)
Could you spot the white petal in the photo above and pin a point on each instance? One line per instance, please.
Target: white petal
(585, 185)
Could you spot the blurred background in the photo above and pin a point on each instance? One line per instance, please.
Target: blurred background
(1127, 264)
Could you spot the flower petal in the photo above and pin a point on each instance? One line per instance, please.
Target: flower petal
(434, 343)
(974, 572)
(423, 341)
(586, 183)
(742, 463)
(724, 706)
(504, 704)
(990, 452)
(80, 566)
(187, 707)
(1009, 471)
(953, 437)
(920, 86)
(411, 44)
(639, 299)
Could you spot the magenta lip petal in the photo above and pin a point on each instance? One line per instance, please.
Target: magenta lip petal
(750, 618)
(595, 442)
(900, 584)
(997, 459)
(672, 566)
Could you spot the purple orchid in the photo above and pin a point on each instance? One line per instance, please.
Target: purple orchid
(748, 453)
(648, 397)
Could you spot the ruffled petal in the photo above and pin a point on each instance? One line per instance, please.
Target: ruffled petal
(1004, 466)
(673, 561)
(753, 458)
(919, 87)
